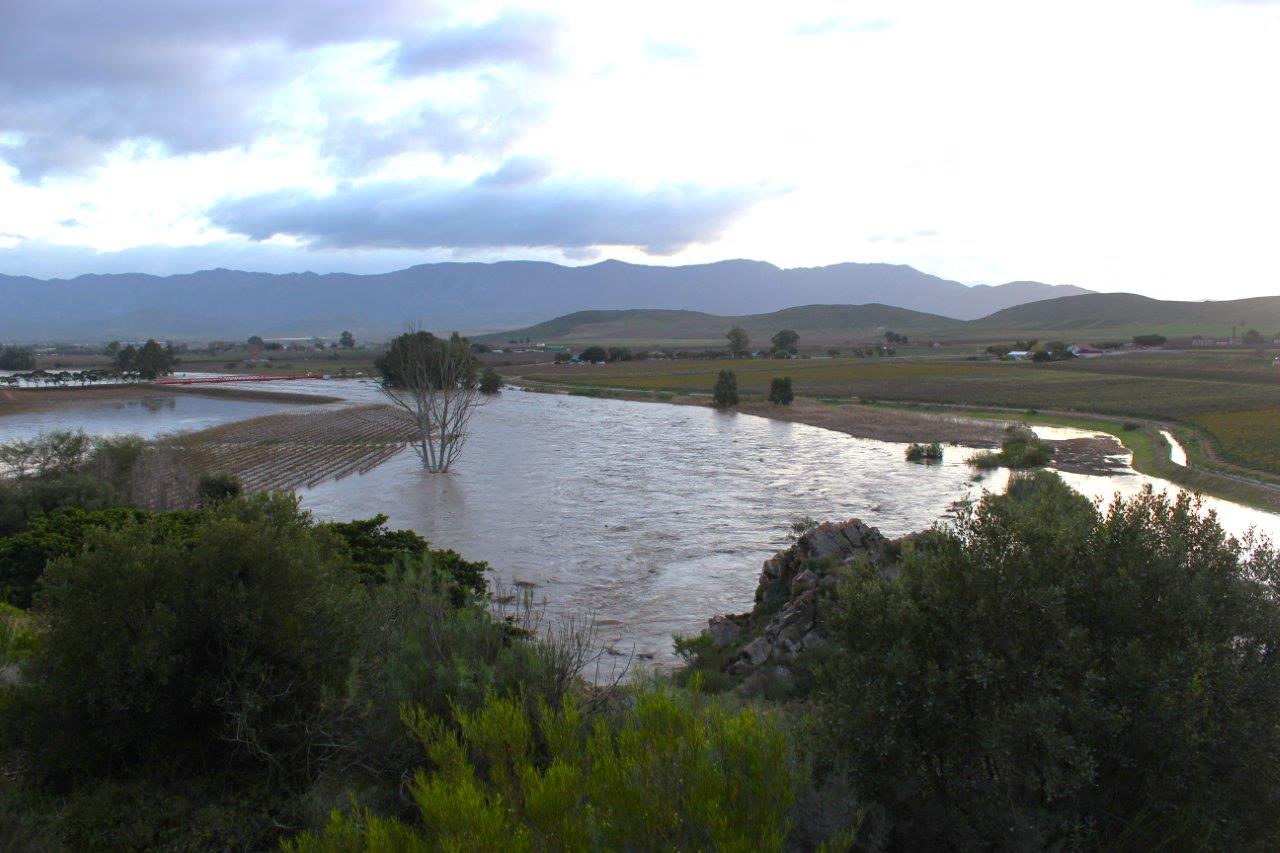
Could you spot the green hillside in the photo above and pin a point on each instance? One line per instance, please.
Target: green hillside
(1128, 311)
(825, 322)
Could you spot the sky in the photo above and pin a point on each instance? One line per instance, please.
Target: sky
(1121, 145)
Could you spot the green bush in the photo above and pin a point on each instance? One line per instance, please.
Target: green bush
(1045, 676)
(1021, 449)
(674, 771)
(378, 553)
(214, 488)
(780, 393)
(419, 650)
(490, 381)
(924, 452)
(18, 637)
(218, 647)
(725, 393)
(63, 533)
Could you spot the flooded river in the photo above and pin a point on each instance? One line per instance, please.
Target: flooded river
(650, 516)
(654, 516)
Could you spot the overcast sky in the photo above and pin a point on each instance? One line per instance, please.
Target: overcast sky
(1117, 145)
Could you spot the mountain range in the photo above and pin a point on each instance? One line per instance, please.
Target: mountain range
(473, 297)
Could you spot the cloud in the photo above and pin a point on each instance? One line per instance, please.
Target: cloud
(515, 172)
(491, 125)
(668, 51)
(526, 38)
(918, 234)
(559, 214)
(79, 79)
(830, 26)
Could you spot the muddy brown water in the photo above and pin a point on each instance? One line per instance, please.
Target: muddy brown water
(651, 517)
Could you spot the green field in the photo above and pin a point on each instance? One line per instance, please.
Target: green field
(1014, 385)
(1249, 438)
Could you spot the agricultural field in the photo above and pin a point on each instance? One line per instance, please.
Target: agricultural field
(1012, 385)
(1247, 366)
(289, 451)
(1249, 438)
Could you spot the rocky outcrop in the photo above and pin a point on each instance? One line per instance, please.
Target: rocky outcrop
(793, 584)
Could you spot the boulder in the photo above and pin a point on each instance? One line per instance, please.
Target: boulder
(723, 630)
(804, 574)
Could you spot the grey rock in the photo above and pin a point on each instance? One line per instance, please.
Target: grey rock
(723, 631)
(757, 651)
(806, 580)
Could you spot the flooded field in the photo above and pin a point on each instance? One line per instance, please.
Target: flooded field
(145, 414)
(650, 516)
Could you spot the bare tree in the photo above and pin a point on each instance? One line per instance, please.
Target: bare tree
(434, 381)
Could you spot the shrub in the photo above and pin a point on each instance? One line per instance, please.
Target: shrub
(1021, 449)
(490, 381)
(379, 554)
(215, 488)
(1041, 676)
(163, 651)
(676, 771)
(17, 358)
(924, 452)
(18, 637)
(21, 501)
(63, 533)
(594, 354)
(780, 393)
(725, 393)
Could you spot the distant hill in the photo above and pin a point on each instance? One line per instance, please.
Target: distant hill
(832, 323)
(1125, 310)
(1089, 316)
(465, 296)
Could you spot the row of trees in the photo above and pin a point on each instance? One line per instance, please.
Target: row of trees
(64, 378)
(725, 392)
(784, 342)
(149, 360)
(255, 342)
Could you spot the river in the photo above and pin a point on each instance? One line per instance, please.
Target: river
(654, 516)
(648, 516)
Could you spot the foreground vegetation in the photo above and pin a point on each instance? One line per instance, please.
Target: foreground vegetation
(1040, 674)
